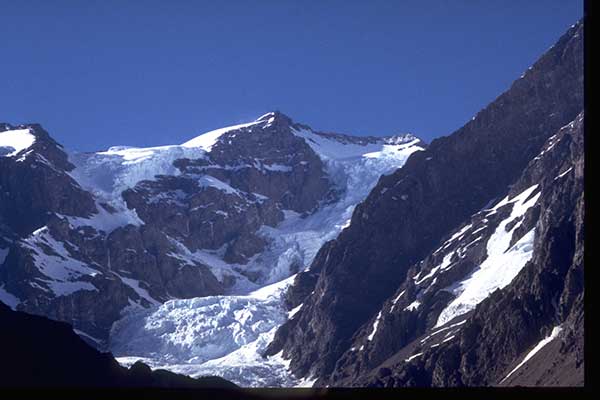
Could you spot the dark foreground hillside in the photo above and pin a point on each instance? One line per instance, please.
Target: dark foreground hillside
(38, 352)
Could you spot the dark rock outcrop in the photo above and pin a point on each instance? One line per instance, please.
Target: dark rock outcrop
(546, 295)
(35, 183)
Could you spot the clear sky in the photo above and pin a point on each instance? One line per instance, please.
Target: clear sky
(141, 73)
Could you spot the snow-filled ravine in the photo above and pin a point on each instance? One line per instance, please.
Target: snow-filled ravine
(503, 262)
(226, 335)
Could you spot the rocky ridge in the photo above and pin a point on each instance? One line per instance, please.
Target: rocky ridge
(413, 212)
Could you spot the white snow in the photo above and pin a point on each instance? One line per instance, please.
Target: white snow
(459, 234)
(306, 382)
(331, 149)
(448, 339)
(277, 167)
(106, 174)
(413, 306)
(104, 220)
(375, 325)
(135, 285)
(563, 173)
(445, 264)
(442, 330)
(207, 140)
(216, 335)
(413, 357)
(210, 181)
(14, 141)
(64, 272)
(501, 265)
(294, 311)
(297, 239)
(396, 300)
(8, 298)
(555, 331)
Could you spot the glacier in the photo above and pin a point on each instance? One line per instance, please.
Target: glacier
(226, 335)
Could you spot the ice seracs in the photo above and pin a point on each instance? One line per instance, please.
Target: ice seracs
(216, 335)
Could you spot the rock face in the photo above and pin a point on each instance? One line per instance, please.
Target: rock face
(44, 166)
(387, 259)
(61, 267)
(88, 237)
(469, 314)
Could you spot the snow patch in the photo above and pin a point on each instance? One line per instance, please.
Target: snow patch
(501, 265)
(135, 285)
(105, 221)
(64, 272)
(413, 357)
(442, 330)
(396, 300)
(563, 173)
(375, 325)
(14, 141)
(413, 306)
(445, 264)
(555, 331)
(294, 311)
(210, 181)
(207, 140)
(330, 148)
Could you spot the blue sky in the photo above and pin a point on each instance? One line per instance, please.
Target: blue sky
(102, 73)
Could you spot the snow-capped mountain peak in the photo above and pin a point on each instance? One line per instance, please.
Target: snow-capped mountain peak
(222, 215)
(14, 141)
(207, 140)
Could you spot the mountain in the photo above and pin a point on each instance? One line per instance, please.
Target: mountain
(180, 255)
(505, 283)
(465, 264)
(271, 254)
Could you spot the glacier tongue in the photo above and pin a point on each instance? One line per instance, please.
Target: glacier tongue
(225, 335)
(217, 335)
